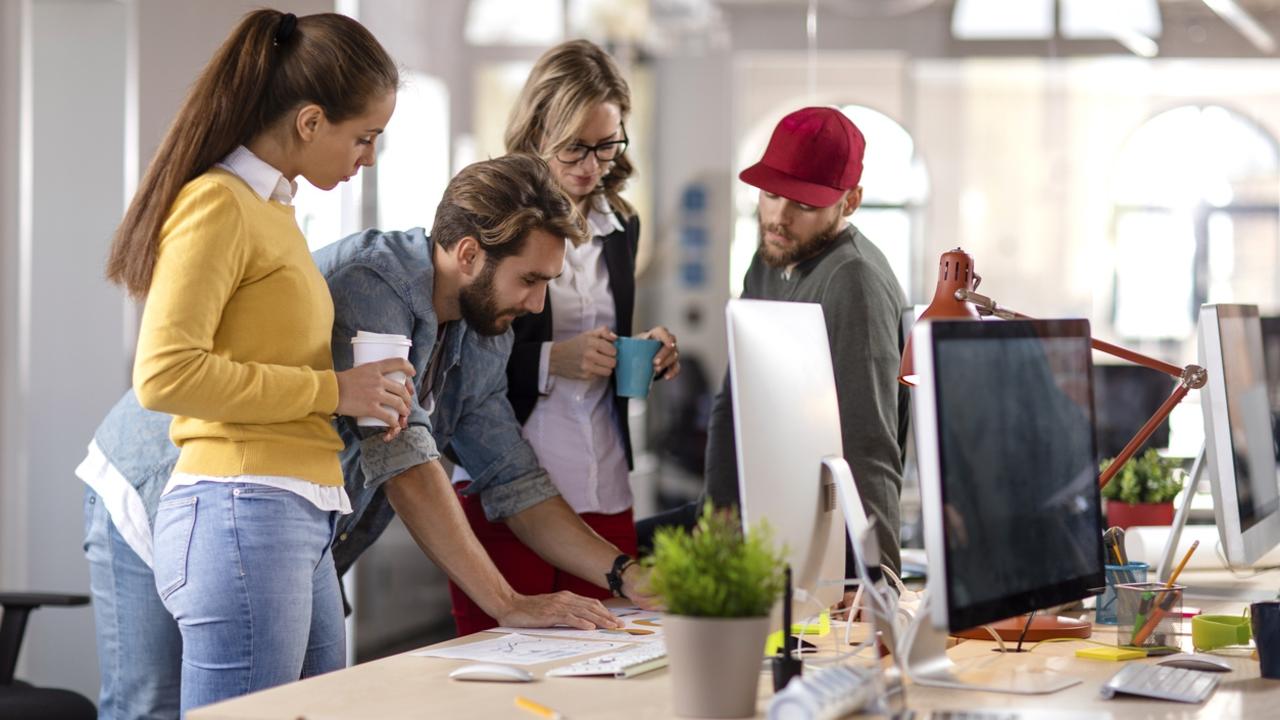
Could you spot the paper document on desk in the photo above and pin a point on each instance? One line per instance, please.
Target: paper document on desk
(517, 649)
(639, 626)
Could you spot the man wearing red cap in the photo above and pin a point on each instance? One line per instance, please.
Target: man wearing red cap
(809, 252)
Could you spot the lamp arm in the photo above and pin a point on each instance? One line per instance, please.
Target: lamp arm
(1145, 432)
(1191, 377)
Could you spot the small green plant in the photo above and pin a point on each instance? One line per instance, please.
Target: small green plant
(1146, 478)
(716, 571)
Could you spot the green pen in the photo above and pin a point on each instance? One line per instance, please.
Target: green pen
(1140, 619)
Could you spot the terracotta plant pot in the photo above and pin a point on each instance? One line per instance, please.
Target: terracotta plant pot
(715, 664)
(1123, 515)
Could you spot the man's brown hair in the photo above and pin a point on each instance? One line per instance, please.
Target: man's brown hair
(499, 202)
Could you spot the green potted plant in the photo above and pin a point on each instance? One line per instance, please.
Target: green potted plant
(719, 586)
(1142, 492)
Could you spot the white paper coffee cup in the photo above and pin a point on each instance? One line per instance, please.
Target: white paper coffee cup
(367, 347)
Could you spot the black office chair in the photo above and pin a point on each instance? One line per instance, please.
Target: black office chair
(20, 700)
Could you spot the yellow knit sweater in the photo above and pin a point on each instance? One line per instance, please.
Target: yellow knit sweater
(235, 338)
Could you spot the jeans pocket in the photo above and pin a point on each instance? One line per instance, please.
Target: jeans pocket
(175, 521)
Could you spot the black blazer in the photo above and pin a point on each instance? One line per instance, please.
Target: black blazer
(531, 331)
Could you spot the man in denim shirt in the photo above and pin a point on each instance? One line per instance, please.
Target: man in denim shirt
(498, 238)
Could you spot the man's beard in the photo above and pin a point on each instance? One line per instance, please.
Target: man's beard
(800, 249)
(479, 309)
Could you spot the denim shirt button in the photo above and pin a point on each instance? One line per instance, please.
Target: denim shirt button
(343, 537)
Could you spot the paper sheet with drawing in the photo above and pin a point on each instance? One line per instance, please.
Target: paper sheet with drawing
(640, 626)
(518, 649)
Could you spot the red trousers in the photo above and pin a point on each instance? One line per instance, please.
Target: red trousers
(528, 573)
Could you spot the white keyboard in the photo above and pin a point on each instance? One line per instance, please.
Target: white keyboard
(625, 663)
(1161, 682)
(822, 694)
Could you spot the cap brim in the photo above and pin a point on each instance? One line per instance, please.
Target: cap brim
(789, 187)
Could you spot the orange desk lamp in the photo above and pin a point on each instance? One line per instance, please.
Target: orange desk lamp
(956, 298)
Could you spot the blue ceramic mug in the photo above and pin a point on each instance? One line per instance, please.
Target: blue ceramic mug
(634, 373)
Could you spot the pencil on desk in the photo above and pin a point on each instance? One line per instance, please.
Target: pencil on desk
(537, 708)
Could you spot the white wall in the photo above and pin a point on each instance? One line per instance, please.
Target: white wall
(13, 13)
(68, 368)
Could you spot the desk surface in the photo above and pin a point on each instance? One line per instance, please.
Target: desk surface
(404, 686)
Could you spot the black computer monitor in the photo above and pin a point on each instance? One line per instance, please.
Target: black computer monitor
(1004, 423)
(1124, 398)
(1271, 356)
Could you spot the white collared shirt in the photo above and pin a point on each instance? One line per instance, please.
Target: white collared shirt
(268, 182)
(119, 497)
(573, 428)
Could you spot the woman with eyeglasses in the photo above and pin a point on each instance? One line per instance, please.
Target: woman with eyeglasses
(572, 112)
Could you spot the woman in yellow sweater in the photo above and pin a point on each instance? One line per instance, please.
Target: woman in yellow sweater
(235, 344)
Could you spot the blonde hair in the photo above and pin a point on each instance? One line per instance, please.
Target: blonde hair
(565, 85)
(499, 202)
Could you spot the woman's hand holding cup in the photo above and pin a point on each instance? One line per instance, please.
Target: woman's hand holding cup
(365, 391)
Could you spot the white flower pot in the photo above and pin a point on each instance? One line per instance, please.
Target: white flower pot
(715, 664)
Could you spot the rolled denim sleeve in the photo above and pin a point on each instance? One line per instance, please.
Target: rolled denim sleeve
(489, 445)
(365, 299)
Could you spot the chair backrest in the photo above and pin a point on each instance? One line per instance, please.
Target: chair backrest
(13, 625)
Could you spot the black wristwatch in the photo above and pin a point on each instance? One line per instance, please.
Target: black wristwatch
(614, 576)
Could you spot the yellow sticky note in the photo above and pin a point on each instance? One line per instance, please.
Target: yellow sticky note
(809, 631)
(1110, 653)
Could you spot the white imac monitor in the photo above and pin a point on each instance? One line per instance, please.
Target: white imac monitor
(1012, 514)
(1008, 471)
(787, 423)
(1240, 442)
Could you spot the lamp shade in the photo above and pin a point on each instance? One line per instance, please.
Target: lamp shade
(955, 272)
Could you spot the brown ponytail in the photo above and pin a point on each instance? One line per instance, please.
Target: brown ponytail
(270, 64)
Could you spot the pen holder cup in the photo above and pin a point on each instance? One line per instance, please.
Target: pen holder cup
(1134, 572)
(1147, 614)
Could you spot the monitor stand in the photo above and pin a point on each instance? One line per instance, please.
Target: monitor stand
(1164, 569)
(926, 663)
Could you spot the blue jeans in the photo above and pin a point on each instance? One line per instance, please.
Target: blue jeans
(139, 648)
(248, 573)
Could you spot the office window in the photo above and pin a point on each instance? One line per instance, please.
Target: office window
(894, 189)
(320, 213)
(413, 155)
(1195, 220)
(502, 22)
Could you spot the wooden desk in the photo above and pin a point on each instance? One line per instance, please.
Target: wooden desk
(418, 687)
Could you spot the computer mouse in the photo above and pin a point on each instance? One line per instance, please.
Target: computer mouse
(1206, 663)
(492, 672)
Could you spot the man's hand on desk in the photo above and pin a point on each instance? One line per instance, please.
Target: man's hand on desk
(562, 608)
(635, 586)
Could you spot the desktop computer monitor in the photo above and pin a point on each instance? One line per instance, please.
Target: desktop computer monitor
(1008, 470)
(1271, 356)
(1124, 397)
(1240, 440)
(787, 424)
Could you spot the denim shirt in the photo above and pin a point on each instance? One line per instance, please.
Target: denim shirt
(382, 282)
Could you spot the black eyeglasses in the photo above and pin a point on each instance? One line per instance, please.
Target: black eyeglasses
(604, 152)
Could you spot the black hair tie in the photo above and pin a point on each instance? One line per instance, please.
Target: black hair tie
(288, 23)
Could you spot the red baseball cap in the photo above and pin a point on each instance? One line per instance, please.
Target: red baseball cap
(814, 156)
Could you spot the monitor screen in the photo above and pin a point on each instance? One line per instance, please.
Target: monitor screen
(1249, 414)
(1271, 355)
(1125, 397)
(1021, 509)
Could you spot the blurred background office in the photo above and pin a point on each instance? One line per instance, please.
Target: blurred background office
(1109, 159)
